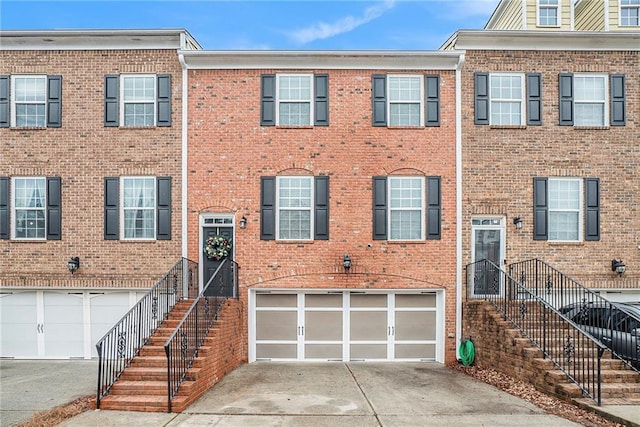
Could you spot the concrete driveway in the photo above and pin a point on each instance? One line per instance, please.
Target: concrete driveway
(342, 394)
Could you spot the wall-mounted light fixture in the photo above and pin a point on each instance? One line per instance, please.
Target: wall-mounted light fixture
(243, 222)
(517, 222)
(346, 263)
(73, 264)
(618, 266)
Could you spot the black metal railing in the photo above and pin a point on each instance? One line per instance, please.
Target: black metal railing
(123, 342)
(617, 328)
(571, 349)
(182, 347)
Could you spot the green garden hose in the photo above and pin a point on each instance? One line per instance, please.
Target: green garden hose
(466, 352)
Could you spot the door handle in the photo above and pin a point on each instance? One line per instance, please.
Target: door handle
(606, 339)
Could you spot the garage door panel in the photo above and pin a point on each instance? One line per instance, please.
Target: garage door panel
(323, 326)
(276, 351)
(276, 300)
(63, 325)
(415, 351)
(366, 326)
(368, 300)
(323, 351)
(368, 351)
(414, 300)
(18, 325)
(276, 325)
(106, 310)
(416, 325)
(323, 300)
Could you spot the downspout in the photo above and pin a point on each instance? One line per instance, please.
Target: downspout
(185, 109)
(459, 284)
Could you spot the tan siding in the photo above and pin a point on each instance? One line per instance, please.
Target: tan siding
(532, 15)
(564, 12)
(590, 15)
(511, 19)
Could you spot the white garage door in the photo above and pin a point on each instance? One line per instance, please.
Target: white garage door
(58, 324)
(343, 325)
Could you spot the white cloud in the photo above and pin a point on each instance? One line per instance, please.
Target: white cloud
(464, 9)
(324, 30)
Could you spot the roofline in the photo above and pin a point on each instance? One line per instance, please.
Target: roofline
(497, 13)
(545, 40)
(83, 39)
(303, 60)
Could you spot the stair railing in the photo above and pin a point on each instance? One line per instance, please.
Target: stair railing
(182, 347)
(566, 294)
(575, 352)
(123, 342)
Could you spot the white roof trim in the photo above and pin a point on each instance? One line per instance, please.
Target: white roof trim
(97, 39)
(547, 40)
(307, 60)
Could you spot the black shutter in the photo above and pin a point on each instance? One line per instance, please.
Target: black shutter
(164, 100)
(321, 84)
(618, 113)
(379, 208)
(268, 101)
(111, 94)
(54, 101)
(565, 92)
(4, 207)
(111, 208)
(481, 95)
(4, 102)
(540, 208)
(434, 207)
(54, 208)
(321, 208)
(163, 207)
(379, 99)
(534, 99)
(592, 209)
(268, 208)
(432, 102)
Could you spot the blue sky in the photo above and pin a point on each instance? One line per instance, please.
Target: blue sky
(280, 25)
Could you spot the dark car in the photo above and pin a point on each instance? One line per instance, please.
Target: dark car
(616, 325)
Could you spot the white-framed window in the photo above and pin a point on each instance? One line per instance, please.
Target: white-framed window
(629, 13)
(138, 95)
(506, 94)
(406, 208)
(294, 198)
(565, 209)
(406, 93)
(29, 208)
(590, 99)
(294, 98)
(28, 100)
(138, 207)
(548, 13)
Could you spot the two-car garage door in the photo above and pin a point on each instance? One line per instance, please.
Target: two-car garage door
(345, 325)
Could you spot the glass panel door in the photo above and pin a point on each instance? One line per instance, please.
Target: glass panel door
(487, 244)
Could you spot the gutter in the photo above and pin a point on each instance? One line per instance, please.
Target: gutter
(459, 285)
(185, 109)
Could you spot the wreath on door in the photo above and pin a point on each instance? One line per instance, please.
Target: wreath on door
(218, 247)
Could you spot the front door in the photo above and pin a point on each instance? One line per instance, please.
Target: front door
(211, 227)
(487, 244)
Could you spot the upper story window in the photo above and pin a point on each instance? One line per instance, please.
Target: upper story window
(500, 99)
(30, 208)
(32, 101)
(592, 99)
(404, 210)
(294, 100)
(137, 100)
(548, 13)
(566, 209)
(406, 100)
(629, 13)
(137, 208)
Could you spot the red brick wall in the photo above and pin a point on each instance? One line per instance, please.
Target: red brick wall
(82, 152)
(500, 163)
(229, 151)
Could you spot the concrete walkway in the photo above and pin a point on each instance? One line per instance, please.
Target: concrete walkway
(337, 394)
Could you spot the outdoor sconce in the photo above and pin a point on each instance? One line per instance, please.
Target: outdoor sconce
(243, 222)
(346, 263)
(618, 266)
(518, 222)
(73, 264)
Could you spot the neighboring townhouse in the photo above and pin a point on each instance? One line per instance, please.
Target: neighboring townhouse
(334, 176)
(551, 157)
(90, 181)
(566, 15)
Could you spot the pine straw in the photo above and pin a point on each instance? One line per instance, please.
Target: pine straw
(550, 404)
(58, 414)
